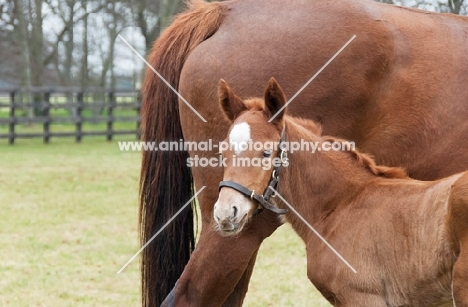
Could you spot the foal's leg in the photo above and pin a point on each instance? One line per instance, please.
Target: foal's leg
(458, 219)
(460, 280)
(460, 277)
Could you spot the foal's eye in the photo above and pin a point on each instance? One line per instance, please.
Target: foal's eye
(267, 153)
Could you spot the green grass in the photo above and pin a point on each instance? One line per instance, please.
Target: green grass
(280, 276)
(69, 222)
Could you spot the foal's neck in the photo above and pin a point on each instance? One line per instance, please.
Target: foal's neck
(317, 183)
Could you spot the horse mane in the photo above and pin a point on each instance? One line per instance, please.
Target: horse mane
(254, 104)
(365, 160)
(310, 125)
(368, 162)
(379, 170)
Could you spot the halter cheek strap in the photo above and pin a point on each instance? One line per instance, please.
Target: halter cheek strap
(263, 200)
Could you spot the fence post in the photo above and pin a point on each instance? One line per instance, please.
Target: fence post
(79, 118)
(46, 116)
(11, 128)
(138, 123)
(110, 117)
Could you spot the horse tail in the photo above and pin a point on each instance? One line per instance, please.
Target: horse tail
(166, 181)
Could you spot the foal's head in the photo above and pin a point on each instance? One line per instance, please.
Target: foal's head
(253, 152)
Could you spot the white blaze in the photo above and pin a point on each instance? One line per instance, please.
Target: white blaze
(239, 137)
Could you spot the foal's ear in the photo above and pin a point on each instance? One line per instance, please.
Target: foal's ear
(231, 105)
(274, 100)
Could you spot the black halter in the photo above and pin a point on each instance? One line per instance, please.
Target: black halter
(263, 200)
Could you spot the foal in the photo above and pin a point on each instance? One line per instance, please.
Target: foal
(407, 239)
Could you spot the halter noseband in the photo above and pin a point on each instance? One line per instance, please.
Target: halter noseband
(263, 200)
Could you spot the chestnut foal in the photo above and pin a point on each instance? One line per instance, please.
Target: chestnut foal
(406, 239)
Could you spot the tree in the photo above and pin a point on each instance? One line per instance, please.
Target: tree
(452, 6)
(448, 6)
(153, 16)
(84, 69)
(21, 33)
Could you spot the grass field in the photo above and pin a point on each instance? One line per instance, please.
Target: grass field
(68, 224)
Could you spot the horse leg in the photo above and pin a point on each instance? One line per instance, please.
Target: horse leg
(460, 277)
(219, 269)
(460, 283)
(237, 296)
(214, 270)
(458, 218)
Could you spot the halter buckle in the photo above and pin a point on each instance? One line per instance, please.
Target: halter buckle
(284, 157)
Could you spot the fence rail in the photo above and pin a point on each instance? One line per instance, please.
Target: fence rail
(87, 112)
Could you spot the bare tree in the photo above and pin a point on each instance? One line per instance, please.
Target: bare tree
(36, 42)
(84, 69)
(116, 19)
(446, 6)
(71, 13)
(153, 16)
(21, 34)
(452, 6)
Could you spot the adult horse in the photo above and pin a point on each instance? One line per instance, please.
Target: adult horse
(407, 239)
(398, 90)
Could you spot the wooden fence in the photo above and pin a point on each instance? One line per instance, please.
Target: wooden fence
(68, 112)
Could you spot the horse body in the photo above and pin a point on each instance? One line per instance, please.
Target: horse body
(397, 90)
(373, 93)
(393, 231)
(406, 238)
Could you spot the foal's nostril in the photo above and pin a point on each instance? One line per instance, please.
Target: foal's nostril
(235, 211)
